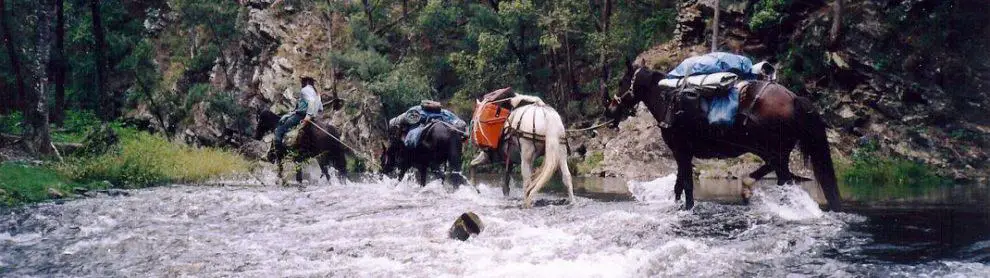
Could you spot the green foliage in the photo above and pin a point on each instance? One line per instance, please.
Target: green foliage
(363, 64)
(228, 113)
(11, 123)
(592, 161)
(768, 13)
(401, 88)
(146, 160)
(75, 127)
(873, 174)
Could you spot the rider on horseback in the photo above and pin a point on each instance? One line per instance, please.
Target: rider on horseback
(308, 108)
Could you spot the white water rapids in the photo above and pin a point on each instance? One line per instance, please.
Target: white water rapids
(377, 230)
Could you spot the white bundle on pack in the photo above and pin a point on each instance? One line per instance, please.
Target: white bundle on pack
(716, 82)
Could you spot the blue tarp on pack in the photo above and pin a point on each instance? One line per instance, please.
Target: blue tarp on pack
(722, 109)
(412, 137)
(712, 63)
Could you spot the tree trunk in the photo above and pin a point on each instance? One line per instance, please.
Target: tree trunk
(836, 31)
(15, 61)
(603, 57)
(368, 13)
(715, 27)
(106, 98)
(36, 133)
(59, 64)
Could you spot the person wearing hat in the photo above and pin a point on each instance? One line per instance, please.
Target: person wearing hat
(308, 108)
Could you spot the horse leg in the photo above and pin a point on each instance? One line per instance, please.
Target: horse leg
(481, 158)
(565, 174)
(299, 168)
(324, 162)
(752, 178)
(281, 166)
(527, 153)
(685, 177)
(783, 170)
(507, 176)
(421, 174)
(340, 163)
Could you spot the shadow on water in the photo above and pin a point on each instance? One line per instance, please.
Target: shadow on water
(913, 225)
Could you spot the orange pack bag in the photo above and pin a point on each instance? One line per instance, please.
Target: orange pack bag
(488, 122)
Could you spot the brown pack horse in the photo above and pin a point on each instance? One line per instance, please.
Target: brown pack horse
(769, 128)
(313, 142)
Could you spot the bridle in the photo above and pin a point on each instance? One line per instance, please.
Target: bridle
(629, 92)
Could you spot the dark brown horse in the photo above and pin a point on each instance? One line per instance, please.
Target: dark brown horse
(313, 142)
(769, 128)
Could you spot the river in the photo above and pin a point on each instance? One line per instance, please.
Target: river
(378, 229)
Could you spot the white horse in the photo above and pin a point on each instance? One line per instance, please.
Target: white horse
(536, 127)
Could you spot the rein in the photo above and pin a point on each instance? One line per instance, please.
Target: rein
(591, 127)
(366, 157)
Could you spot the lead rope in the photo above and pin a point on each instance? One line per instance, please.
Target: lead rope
(364, 155)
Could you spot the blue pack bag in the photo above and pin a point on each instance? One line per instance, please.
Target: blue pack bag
(722, 109)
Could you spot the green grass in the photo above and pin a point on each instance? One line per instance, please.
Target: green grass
(873, 175)
(145, 160)
(21, 184)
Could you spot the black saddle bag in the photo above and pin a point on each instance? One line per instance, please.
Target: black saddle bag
(691, 106)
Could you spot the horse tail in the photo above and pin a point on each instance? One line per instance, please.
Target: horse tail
(814, 146)
(552, 152)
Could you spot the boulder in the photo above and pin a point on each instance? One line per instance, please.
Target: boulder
(466, 225)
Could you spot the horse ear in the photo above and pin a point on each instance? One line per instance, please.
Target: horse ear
(629, 64)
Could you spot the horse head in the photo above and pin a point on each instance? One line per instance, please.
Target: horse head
(267, 122)
(636, 82)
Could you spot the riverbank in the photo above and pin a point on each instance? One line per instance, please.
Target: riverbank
(138, 160)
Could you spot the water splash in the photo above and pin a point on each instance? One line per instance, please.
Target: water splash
(789, 202)
(384, 227)
(658, 192)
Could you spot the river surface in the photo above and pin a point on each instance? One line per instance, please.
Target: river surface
(377, 229)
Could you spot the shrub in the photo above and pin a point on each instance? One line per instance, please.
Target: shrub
(11, 123)
(75, 126)
(768, 13)
(145, 160)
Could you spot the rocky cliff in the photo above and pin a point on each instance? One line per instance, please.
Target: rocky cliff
(276, 45)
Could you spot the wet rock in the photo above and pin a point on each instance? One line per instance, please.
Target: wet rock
(114, 192)
(466, 225)
(55, 193)
(80, 190)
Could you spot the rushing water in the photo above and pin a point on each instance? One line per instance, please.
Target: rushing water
(376, 229)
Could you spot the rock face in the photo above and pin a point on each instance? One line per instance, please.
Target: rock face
(901, 101)
(634, 150)
(279, 44)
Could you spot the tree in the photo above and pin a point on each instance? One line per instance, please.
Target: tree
(11, 45)
(835, 33)
(59, 63)
(36, 133)
(603, 27)
(717, 7)
(99, 56)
